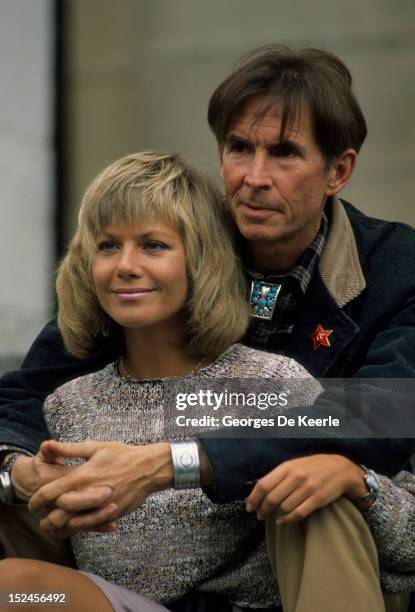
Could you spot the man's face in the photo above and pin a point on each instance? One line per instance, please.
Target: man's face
(276, 189)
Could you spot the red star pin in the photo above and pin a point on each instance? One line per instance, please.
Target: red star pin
(320, 337)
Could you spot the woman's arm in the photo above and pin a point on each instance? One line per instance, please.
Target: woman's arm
(392, 521)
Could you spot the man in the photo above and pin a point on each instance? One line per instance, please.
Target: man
(289, 130)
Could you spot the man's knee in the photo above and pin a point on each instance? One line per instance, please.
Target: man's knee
(330, 556)
(340, 520)
(336, 535)
(342, 511)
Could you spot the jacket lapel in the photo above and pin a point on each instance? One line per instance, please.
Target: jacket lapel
(338, 280)
(339, 264)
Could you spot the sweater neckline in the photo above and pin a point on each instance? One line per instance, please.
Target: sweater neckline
(223, 358)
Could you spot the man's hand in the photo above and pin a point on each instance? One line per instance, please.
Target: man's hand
(299, 486)
(131, 472)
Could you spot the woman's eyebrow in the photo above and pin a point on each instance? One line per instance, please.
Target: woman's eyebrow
(143, 235)
(156, 232)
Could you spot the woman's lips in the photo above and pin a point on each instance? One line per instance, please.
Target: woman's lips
(132, 294)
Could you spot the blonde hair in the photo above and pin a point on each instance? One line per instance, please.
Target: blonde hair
(147, 186)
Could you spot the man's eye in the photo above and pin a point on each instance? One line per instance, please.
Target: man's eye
(155, 245)
(107, 246)
(284, 149)
(237, 146)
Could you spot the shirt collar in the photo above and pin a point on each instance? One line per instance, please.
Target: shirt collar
(302, 271)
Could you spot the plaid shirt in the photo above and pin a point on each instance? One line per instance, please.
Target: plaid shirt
(294, 285)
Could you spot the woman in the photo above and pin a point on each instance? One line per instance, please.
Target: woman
(152, 267)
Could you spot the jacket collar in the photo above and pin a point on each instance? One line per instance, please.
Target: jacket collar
(339, 264)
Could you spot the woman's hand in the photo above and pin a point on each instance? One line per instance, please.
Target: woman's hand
(299, 486)
(128, 473)
(28, 474)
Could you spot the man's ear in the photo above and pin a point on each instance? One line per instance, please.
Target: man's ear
(341, 171)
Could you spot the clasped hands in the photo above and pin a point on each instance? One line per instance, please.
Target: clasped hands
(114, 479)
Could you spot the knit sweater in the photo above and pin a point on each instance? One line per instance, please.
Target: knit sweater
(392, 522)
(178, 540)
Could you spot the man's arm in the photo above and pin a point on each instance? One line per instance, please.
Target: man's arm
(46, 366)
(237, 463)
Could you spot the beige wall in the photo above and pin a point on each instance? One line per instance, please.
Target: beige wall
(141, 72)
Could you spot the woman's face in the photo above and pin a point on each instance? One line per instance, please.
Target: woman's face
(139, 273)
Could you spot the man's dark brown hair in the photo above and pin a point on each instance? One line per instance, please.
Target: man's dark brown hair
(278, 74)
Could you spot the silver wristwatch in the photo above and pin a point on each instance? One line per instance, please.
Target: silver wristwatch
(372, 485)
(7, 495)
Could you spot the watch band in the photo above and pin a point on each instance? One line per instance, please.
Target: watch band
(7, 495)
(6, 489)
(186, 464)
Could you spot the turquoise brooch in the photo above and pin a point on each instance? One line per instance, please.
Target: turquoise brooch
(263, 299)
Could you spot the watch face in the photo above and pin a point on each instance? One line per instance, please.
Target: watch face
(372, 484)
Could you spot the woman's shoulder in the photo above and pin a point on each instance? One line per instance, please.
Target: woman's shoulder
(84, 386)
(245, 370)
(245, 361)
